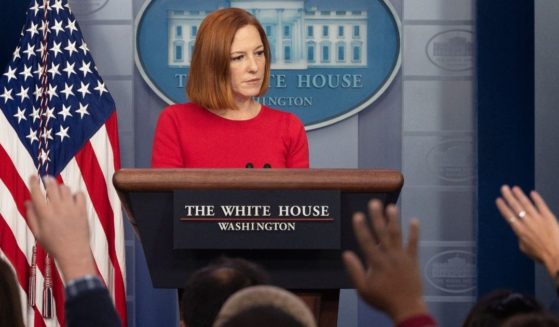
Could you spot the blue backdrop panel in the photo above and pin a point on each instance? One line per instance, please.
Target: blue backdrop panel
(505, 109)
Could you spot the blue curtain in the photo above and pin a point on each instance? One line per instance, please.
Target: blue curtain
(505, 111)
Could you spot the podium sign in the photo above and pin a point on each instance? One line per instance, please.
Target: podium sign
(257, 219)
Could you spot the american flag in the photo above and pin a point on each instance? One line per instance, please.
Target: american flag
(57, 118)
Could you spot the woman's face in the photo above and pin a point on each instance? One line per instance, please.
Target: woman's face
(247, 63)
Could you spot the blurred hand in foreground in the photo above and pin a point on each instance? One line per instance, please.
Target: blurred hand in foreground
(390, 280)
(59, 222)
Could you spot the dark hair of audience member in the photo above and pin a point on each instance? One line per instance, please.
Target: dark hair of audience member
(10, 304)
(532, 320)
(208, 288)
(498, 306)
(266, 315)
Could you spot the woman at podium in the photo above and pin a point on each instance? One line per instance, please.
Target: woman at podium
(224, 126)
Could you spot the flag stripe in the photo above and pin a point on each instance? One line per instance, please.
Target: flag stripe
(101, 141)
(13, 193)
(16, 152)
(36, 319)
(71, 175)
(102, 144)
(112, 132)
(23, 239)
(17, 260)
(97, 190)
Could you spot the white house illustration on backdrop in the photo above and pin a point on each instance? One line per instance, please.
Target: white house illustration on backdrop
(299, 38)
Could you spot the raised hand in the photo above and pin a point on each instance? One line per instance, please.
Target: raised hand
(59, 222)
(534, 224)
(390, 280)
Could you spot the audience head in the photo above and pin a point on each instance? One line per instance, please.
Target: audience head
(532, 320)
(268, 306)
(208, 288)
(498, 306)
(10, 304)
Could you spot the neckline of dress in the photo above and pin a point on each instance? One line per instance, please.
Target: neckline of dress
(240, 121)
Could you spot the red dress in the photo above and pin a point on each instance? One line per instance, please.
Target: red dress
(189, 136)
(420, 320)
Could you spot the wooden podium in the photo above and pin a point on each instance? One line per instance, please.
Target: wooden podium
(315, 274)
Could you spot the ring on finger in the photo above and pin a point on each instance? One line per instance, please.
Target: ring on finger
(522, 214)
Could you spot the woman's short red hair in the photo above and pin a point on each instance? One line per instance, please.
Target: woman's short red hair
(209, 83)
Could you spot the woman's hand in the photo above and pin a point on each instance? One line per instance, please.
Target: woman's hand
(534, 224)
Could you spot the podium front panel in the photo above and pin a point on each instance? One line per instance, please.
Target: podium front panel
(292, 269)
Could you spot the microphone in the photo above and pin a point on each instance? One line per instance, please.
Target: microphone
(249, 165)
